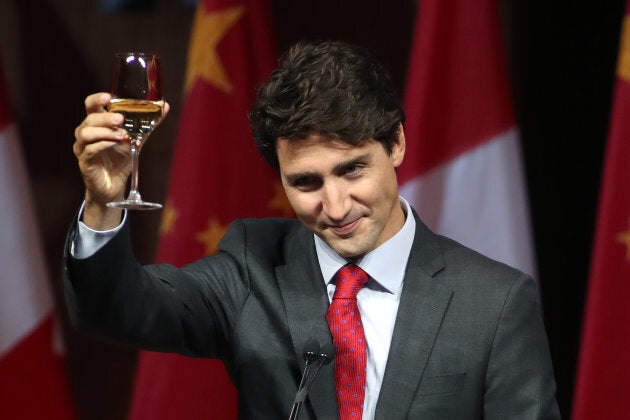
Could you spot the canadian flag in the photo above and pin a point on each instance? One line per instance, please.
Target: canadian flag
(463, 171)
(33, 384)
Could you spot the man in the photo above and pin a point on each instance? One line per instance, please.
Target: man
(440, 332)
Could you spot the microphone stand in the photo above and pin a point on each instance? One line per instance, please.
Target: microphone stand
(314, 360)
(300, 396)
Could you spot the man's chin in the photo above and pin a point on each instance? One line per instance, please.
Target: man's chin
(350, 253)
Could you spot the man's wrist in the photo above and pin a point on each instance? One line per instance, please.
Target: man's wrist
(99, 217)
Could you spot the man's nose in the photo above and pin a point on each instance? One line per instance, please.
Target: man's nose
(335, 201)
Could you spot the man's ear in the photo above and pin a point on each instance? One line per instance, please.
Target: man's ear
(398, 148)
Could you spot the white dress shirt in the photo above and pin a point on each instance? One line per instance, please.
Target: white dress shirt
(378, 300)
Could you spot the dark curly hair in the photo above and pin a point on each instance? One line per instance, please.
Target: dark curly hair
(329, 88)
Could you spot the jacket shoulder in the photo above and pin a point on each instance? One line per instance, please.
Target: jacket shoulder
(265, 238)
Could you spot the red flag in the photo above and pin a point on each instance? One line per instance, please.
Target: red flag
(217, 176)
(603, 380)
(463, 170)
(33, 382)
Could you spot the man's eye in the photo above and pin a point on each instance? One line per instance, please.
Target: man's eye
(353, 169)
(307, 183)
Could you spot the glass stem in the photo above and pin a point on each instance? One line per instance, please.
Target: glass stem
(136, 143)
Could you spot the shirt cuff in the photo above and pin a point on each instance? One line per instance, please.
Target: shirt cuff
(88, 241)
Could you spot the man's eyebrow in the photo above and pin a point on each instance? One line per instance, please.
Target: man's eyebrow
(292, 178)
(351, 162)
(339, 168)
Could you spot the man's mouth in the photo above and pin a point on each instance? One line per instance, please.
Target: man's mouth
(346, 229)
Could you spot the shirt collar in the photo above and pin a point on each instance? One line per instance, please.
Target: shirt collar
(385, 265)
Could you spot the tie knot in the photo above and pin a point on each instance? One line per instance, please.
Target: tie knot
(350, 279)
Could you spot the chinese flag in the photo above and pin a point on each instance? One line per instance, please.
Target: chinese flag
(217, 176)
(463, 170)
(33, 381)
(603, 379)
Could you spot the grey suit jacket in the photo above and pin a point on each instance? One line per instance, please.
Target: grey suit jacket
(468, 343)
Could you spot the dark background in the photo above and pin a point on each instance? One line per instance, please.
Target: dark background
(562, 61)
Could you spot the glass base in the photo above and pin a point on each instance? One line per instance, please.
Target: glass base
(135, 205)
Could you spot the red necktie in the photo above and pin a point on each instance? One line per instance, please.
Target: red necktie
(345, 325)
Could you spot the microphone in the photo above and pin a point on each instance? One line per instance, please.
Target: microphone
(315, 356)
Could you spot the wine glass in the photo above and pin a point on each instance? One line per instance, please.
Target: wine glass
(137, 95)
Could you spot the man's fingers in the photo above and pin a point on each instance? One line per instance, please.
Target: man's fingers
(106, 125)
(97, 102)
(91, 134)
(89, 150)
(86, 135)
(103, 119)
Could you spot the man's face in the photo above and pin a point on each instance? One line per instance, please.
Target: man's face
(346, 195)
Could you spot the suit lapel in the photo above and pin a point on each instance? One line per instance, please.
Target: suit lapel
(300, 280)
(422, 307)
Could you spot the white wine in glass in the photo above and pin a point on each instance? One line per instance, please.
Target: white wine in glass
(137, 95)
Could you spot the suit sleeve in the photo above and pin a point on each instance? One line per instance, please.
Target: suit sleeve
(190, 310)
(520, 380)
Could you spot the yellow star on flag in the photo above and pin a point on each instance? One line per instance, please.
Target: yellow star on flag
(203, 59)
(624, 238)
(169, 216)
(211, 236)
(279, 201)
